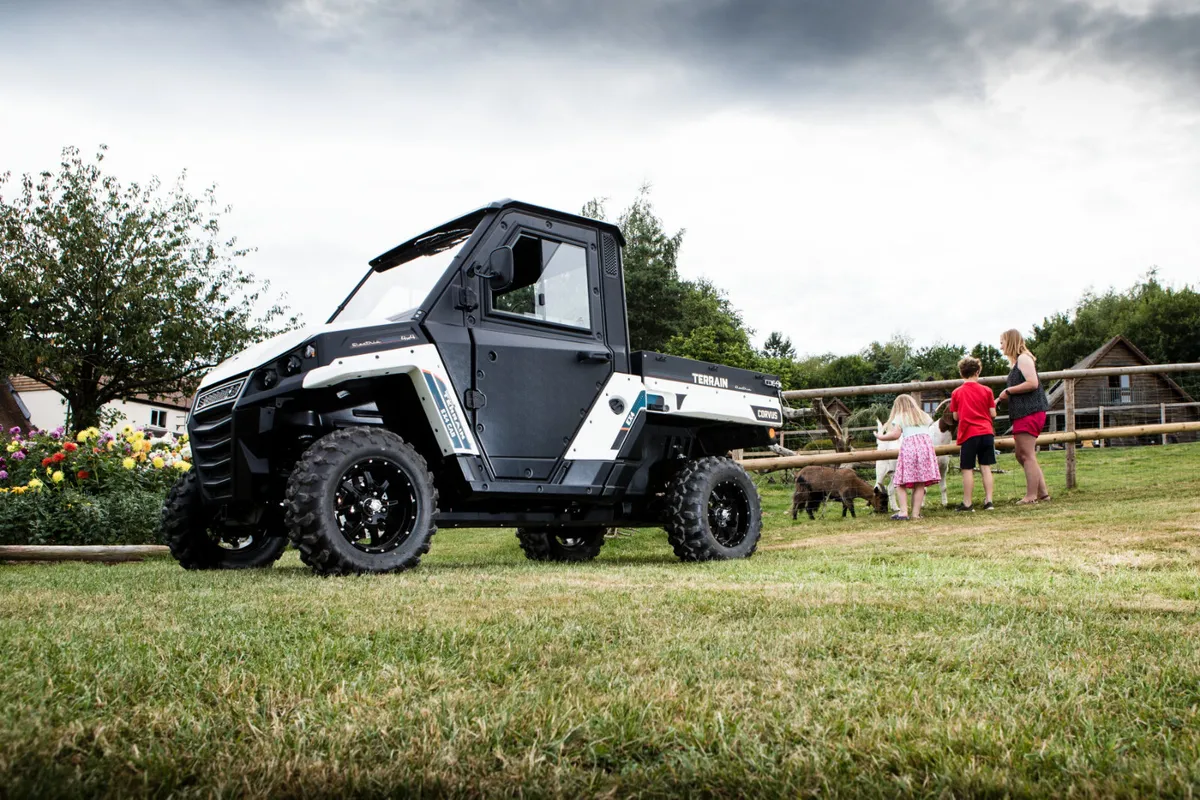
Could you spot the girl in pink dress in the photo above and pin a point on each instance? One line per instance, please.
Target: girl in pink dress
(916, 464)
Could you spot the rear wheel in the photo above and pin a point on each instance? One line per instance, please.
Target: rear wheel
(198, 544)
(713, 511)
(561, 544)
(361, 500)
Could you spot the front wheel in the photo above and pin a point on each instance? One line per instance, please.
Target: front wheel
(197, 544)
(561, 544)
(713, 511)
(361, 500)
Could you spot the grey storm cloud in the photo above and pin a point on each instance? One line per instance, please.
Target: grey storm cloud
(919, 46)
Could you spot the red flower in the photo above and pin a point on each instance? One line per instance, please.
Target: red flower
(70, 447)
(46, 461)
(83, 475)
(96, 450)
(57, 457)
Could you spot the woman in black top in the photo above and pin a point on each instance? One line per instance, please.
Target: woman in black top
(1027, 407)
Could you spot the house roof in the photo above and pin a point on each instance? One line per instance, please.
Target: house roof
(11, 412)
(21, 383)
(179, 400)
(1090, 360)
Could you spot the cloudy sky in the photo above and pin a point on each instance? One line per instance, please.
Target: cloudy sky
(845, 169)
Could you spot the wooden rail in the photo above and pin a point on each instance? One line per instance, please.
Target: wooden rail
(993, 380)
(1004, 443)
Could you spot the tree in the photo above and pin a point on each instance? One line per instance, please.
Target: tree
(665, 312)
(109, 291)
(993, 361)
(653, 290)
(778, 346)
(1161, 320)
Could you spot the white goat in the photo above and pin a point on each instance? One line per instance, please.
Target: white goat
(942, 432)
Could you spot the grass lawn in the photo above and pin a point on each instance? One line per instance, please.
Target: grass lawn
(1026, 651)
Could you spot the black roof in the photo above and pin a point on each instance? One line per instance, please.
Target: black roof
(446, 234)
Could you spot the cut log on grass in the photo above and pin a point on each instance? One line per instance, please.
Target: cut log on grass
(110, 553)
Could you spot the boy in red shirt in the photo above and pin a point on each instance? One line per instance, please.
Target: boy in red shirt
(974, 407)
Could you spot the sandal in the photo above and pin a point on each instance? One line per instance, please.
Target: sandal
(1024, 502)
(899, 517)
(1044, 498)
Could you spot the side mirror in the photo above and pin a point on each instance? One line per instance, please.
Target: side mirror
(500, 269)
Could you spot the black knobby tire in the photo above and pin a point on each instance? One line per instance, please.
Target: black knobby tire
(197, 545)
(339, 489)
(713, 511)
(561, 544)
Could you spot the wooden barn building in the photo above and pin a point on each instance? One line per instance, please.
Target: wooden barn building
(1124, 399)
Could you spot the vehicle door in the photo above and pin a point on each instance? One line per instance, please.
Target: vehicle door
(540, 352)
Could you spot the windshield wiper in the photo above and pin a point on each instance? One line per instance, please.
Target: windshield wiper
(442, 240)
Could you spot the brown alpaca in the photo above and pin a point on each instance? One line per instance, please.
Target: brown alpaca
(814, 484)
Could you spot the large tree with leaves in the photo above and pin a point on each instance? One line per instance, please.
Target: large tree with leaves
(110, 291)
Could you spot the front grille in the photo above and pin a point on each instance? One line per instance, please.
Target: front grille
(210, 430)
(225, 393)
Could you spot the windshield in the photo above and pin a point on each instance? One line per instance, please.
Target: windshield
(394, 294)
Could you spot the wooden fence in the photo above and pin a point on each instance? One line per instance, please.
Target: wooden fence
(1070, 437)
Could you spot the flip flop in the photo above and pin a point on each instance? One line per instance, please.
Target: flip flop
(899, 518)
(1044, 498)
(1024, 502)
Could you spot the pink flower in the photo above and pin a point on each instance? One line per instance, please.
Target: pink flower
(3, 475)
(19, 455)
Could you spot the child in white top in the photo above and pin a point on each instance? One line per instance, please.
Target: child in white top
(916, 464)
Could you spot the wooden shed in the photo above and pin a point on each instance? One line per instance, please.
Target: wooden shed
(1124, 399)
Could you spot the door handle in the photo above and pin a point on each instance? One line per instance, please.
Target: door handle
(594, 356)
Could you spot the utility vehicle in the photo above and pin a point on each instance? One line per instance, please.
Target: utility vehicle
(478, 375)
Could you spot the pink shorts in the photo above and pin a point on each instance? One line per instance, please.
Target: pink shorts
(1033, 424)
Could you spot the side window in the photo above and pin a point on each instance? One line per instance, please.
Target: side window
(550, 284)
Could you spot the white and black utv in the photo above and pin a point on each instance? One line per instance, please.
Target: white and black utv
(478, 375)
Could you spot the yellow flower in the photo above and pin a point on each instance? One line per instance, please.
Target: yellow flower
(19, 489)
(182, 466)
(127, 430)
(49, 470)
(109, 446)
(128, 463)
(158, 462)
(12, 447)
(57, 477)
(34, 483)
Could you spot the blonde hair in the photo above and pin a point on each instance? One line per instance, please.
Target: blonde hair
(1013, 344)
(906, 413)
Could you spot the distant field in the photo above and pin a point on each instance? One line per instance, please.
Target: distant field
(1028, 651)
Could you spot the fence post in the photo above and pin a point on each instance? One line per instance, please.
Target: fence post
(1162, 417)
(1103, 442)
(1069, 411)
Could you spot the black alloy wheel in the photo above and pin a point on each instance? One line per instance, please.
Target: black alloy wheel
(376, 505)
(561, 544)
(729, 514)
(713, 511)
(361, 500)
(197, 544)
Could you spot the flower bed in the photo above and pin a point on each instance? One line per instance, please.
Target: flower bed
(85, 488)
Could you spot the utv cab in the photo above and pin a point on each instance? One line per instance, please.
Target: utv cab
(479, 375)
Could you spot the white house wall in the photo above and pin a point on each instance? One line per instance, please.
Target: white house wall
(48, 410)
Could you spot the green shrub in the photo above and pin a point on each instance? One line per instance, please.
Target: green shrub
(70, 516)
(819, 444)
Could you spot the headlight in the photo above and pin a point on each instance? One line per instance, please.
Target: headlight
(293, 365)
(268, 378)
